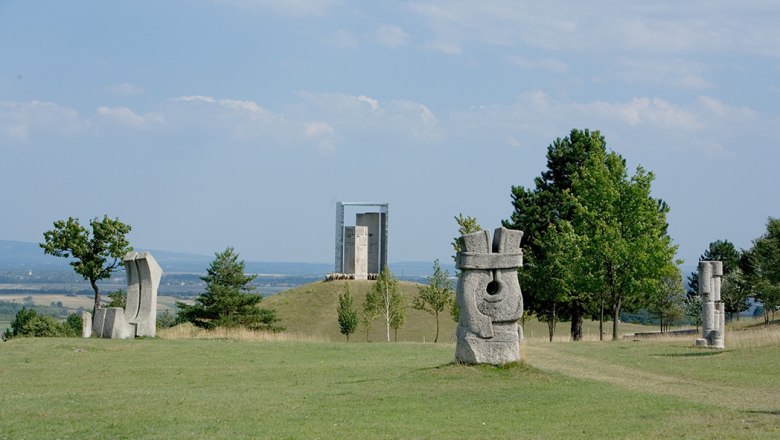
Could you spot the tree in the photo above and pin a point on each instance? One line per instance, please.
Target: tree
(466, 225)
(734, 293)
(95, 257)
(627, 231)
(348, 316)
(29, 323)
(436, 296)
(763, 268)
(385, 299)
(545, 205)
(166, 320)
(667, 301)
(718, 250)
(229, 300)
(118, 298)
(692, 309)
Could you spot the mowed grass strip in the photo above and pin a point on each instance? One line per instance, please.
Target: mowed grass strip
(72, 388)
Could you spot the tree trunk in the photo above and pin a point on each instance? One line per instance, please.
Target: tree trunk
(601, 319)
(615, 318)
(576, 323)
(436, 339)
(97, 295)
(551, 321)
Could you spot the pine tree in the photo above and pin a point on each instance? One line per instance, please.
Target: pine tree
(229, 299)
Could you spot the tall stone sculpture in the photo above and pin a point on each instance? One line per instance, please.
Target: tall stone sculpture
(489, 297)
(713, 316)
(139, 317)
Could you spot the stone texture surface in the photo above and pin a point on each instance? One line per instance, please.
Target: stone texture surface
(139, 317)
(713, 317)
(356, 251)
(489, 297)
(86, 324)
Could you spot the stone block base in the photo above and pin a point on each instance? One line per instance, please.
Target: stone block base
(502, 348)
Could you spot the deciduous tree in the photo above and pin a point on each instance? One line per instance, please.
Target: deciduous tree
(386, 300)
(94, 255)
(435, 296)
(347, 315)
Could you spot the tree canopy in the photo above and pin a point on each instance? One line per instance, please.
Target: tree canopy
(229, 299)
(595, 238)
(94, 256)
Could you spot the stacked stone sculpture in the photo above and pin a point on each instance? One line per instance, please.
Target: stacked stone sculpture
(139, 317)
(489, 297)
(713, 316)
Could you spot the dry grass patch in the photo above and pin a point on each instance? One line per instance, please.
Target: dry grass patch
(189, 331)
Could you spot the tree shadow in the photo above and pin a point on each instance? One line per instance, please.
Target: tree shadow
(692, 353)
(769, 412)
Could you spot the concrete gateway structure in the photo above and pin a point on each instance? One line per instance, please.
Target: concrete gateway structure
(351, 246)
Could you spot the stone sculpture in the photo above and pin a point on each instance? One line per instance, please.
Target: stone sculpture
(489, 297)
(713, 316)
(139, 317)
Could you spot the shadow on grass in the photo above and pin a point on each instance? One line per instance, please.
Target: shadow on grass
(691, 354)
(769, 412)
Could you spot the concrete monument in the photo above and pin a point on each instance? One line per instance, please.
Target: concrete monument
(139, 317)
(489, 297)
(376, 222)
(713, 316)
(356, 251)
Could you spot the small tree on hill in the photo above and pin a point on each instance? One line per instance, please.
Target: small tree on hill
(386, 300)
(229, 300)
(95, 257)
(348, 316)
(436, 296)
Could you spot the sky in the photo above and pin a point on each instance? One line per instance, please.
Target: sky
(212, 123)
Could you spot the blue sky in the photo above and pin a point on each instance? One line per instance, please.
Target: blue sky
(205, 124)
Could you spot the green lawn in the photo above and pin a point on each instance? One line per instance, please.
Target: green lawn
(154, 388)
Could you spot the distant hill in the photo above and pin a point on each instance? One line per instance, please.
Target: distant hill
(19, 255)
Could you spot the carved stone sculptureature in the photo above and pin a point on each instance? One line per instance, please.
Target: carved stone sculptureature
(139, 317)
(489, 298)
(713, 313)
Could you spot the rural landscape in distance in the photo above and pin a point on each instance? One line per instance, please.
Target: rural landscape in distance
(329, 219)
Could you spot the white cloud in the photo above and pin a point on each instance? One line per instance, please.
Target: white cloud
(366, 116)
(196, 98)
(295, 8)
(125, 89)
(19, 121)
(343, 38)
(547, 63)
(125, 116)
(391, 36)
(444, 46)
(666, 72)
(640, 27)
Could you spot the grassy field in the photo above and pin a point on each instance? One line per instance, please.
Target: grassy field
(223, 388)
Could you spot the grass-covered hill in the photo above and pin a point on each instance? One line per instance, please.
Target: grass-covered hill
(310, 310)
